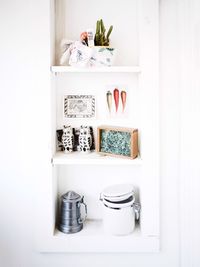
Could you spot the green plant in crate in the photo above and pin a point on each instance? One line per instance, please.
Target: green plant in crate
(101, 38)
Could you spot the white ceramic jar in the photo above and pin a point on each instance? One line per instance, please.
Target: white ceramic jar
(119, 209)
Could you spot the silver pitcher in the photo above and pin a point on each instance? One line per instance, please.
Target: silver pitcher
(70, 220)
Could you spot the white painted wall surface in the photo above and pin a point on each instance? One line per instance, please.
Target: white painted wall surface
(24, 59)
(190, 132)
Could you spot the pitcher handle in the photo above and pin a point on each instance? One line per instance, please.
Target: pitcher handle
(83, 219)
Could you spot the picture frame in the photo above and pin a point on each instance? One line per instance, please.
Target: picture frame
(79, 106)
(117, 141)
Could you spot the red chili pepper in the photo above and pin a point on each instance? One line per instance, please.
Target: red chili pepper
(116, 98)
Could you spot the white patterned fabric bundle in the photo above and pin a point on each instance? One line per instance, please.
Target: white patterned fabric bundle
(77, 55)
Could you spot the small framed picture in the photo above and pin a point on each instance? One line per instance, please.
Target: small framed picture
(117, 141)
(79, 106)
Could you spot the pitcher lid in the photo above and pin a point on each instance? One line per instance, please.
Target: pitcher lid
(71, 196)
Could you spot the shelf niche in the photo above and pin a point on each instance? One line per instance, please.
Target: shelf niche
(135, 35)
(70, 22)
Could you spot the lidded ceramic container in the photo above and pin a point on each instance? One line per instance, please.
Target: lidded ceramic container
(70, 220)
(119, 209)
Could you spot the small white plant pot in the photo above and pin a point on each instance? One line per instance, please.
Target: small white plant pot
(102, 56)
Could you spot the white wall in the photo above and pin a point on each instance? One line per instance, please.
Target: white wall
(24, 74)
(190, 132)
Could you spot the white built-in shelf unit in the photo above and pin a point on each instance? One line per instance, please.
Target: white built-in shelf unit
(135, 35)
(114, 69)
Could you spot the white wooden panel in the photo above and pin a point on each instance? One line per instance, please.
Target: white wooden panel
(115, 69)
(190, 132)
(149, 134)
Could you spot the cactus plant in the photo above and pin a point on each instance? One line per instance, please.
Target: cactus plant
(101, 38)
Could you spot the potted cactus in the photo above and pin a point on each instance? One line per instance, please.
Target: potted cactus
(101, 38)
(103, 54)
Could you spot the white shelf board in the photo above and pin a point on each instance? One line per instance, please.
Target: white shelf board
(121, 69)
(61, 158)
(93, 239)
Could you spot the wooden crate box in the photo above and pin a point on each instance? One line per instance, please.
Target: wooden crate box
(117, 141)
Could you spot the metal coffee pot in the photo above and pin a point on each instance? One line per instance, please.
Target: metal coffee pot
(70, 220)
